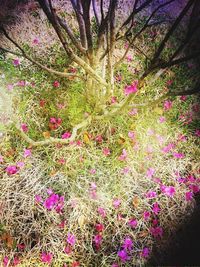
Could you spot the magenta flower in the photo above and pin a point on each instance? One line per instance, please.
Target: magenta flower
(197, 133)
(156, 208)
(145, 253)
(56, 84)
(51, 201)
(12, 169)
(146, 215)
(188, 196)
(122, 254)
(93, 186)
(113, 100)
(131, 135)
(168, 148)
(16, 261)
(24, 127)
(167, 105)
(21, 83)
(16, 62)
(99, 227)
(97, 240)
(68, 250)
(71, 240)
(106, 151)
(5, 261)
(116, 203)
(178, 155)
(114, 265)
(38, 199)
(129, 58)
(99, 139)
(27, 153)
(156, 231)
(66, 135)
(168, 190)
(123, 156)
(183, 98)
(101, 212)
(151, 194)
(162, 119)
(20, 164)
(150, 172)
(46, 257)
(35, 41)
(128, 243)
(132, 223)
(130, 89)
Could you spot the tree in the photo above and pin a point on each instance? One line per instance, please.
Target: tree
(93, 51)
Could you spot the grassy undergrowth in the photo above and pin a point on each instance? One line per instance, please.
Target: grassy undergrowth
(123, 187)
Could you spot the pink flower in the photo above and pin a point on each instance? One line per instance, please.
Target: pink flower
(156, 231)
(27, 153)
(12, 169)
(168, 190)
(21, 83)
(151, 194)
(10, 87)
(5, 261)
(132, 223)
(106, 151)
(183, 97)
(38, 199)
(118, 78)
(131, 135)
(197, 133)
(16, 62)
(188, 196)
(93, 186)
(114, 265)
(101, 212)
(99, 139)
(56, 84)
(126, 170)
(92, 171)
(146, 215)
(150, 172)
(66, 135)
(128, 243)
(162, 119)
(97, 241)
(168, 148)
(16, 261)
(156, 208)
(35, 41)
(68, 250)
(150, 132)
(178, 155)
(133, 112)
(71, 240)
(123, 156)
(129, 58)
(145, 253)
(99, 227)
(51, 201)
(46, 257)
(24, 127)
(167, 105)
(122, 254)
(130, 89)
(20, 164)
(116, 203)
(113, 100)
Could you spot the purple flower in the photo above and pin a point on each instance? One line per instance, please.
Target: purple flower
(156, 231)
(27, 153)
(66, 135)
(102, 212)
(162, 119)
(12, 169)
(122, 254)
(38, 198)
(16, 62)
(132, 223)
(130, 89)
(188, 196)
(168, 190)
(97, 240)
(71, 240)
(151, 194)
(128, 243)
(116, 203)
(167, 105)
(51, 201)
(145, 252)
(150, 172)
(156, 208)
(146, 215)
(178, 155)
